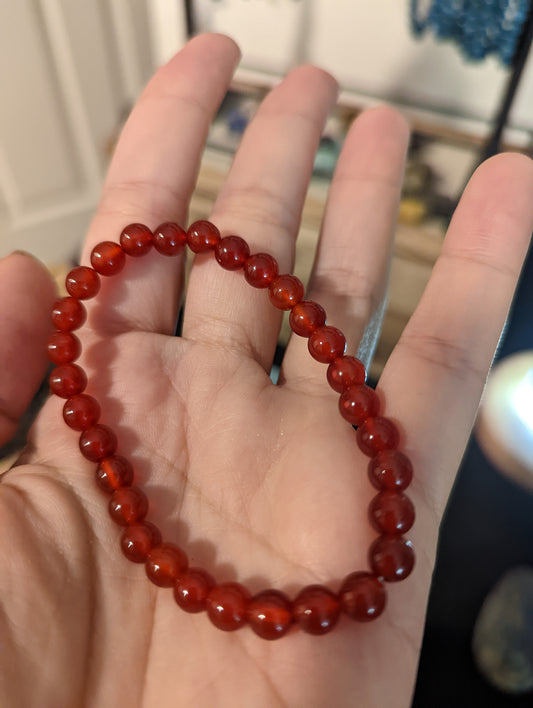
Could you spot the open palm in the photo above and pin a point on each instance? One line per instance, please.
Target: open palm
(261, 484)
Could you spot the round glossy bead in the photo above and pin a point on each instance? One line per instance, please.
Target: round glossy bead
(165, 563)
(326, 344)
(82, 282)
(391, 557)
(260, 270)
(128, 506)
(232, 252)
(67, 380)
(363, 596)
(136, 240)
(68, 314)
(169, 239)
(108, 258)
(286, 291)
(113, 473)
(138, 540)
(306, 316)
(390, 469)
(357, 403)
(377, 434)
(98, 442)
(63, 347)
(269, 614)
(344, 372)
(226, 606)
(391, 512)
(316, 609)
(81, 412)
(192, 588)
(202, 236)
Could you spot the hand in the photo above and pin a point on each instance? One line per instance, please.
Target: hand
(259, 483)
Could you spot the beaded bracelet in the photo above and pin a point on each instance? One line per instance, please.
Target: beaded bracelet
(229, 606)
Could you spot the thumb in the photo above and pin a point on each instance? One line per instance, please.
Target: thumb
(27, 293)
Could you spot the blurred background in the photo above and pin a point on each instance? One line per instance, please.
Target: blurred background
(462, 73)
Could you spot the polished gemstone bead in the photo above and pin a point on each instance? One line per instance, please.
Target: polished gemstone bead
(138, 540)
(113, 473)
(169, 239)
(82, 282)
(377, 434)
(345, 371)
(68, 314)
(202, 236)
(232, 252)
(192, 588)
(269, 614)
(63, 347)
(108, 258)
(128, 505)
(391, 512)
(67, 380)
(391, 557)
(363, 596)
(260, 270)
(136, 240)
(165, 563)
(306, 316)
(316, 609)
(98, 442)
(286, 291)
(390, 469)
(326, 344)
(81, 412)
(357, 403)
(226, 606)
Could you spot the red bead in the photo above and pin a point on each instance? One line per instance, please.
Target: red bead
(108, 258)
(113, 473)
(306, 316)
(391, 512)
(357, 403)
(226, 606)
(326, 344)
(82, 282)
(363, 596)
(169, 239)
(390, 469)
(316, 609)
(138, 540)
(286, 291)
(98, 442)
(81, 412)
(67, 380)
(391, 557)
(202, 236)
(68, 314)
(232, 252)
(260, 270)
(136, 240)
(192, 588)
(377, 434)
(344, 372)
(269, 614)
(165, 563)
(63, 347)
(128, 506)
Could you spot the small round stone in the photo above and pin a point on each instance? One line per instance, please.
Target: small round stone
(307, 316)
(316, 609)
(169, 239)
(391, 512)
(68, 314)
(391, 558)
(81, 412)
(326, 344)
(362, 596)
(286, 291)
(202, 236)
(165, 563)
(390, 469)
(108, 258)
(344, 372)
(232, 252)
(260, 270)
(136, 240)
(63, 347)
(226, 606)
(138, 540)
(113, 473)
(98, 442)
(67, 380)
(128, 506)
(357, 403)
(269, 614)
(192, 589)
(377, 434)
(82, 282)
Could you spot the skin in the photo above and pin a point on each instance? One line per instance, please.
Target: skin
(259, 483)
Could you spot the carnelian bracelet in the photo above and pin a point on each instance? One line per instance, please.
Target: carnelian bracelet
(270, 613)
